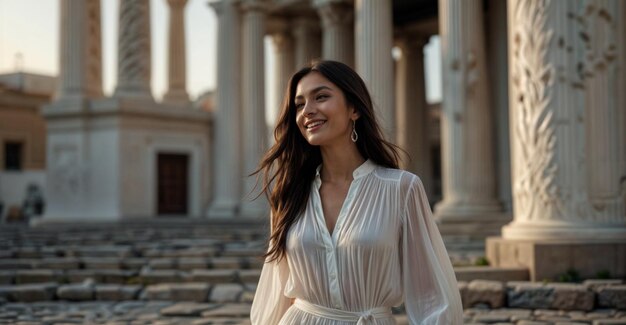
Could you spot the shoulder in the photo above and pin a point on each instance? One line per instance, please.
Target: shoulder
(404, 179)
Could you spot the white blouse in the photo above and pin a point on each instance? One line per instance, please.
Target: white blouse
(385, 250)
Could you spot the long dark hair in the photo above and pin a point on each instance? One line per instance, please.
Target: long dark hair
(288, 168)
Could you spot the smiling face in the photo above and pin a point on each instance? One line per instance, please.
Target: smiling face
(323, 115)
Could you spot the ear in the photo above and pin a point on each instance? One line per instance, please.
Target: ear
(354, 113)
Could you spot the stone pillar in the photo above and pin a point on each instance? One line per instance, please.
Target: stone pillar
(412, 116)
(177, 67)
(338, 30)
(470, 205)
(134, 50)
(307, 41)
(373, 58)
(567, 196)
(254, 131)
(80, 50)
(283, 46)
(227, 174)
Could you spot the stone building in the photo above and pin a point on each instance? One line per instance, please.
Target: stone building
(22, 136)
(533, 118)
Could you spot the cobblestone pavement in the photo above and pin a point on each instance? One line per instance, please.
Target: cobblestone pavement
(170, 313)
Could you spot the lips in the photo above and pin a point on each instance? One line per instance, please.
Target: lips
(314, 124)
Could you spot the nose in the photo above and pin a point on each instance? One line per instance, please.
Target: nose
(308, 109)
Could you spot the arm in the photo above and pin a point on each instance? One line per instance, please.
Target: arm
(269, 302)
(431, 293)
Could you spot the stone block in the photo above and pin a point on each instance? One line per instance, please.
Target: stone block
(226, 293)
(529, 295)
(198, 292)
(37, 276)
(612, 297)
(162, 263)
(70, 263)
(491, 293)
(116, 292)
(115, 276)
(160, 276)
(33, 292)
(186, 309)
(597, 284)
(226, 263)
(134, 263)
(76, 292)
(7, 277)
(102, 263)
(502, 274)
(16, 264)
(158, 292)
(77, 276)
(213, 276)
(249, 275)
(547, 260)
(191, 263)
(572, 297)
(229, 310)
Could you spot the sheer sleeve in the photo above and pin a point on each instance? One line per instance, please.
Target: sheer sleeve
(269, 302)
(431, 293)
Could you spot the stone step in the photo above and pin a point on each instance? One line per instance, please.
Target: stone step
(115, 276)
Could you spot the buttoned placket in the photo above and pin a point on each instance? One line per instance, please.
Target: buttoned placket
(330, 241)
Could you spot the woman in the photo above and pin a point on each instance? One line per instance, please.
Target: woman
(351, 235)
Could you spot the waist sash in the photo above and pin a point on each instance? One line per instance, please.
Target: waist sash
(368, 317)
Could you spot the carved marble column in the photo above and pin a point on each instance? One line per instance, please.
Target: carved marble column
(374, 40)
(470, 205)
(283, 46)
(177, 67)
(134, 50)
(253, 81)
(307, 40)
(80, 50)
(227, 172)
(412, 118)
(565, 142)
(564, 126)
(338, 30)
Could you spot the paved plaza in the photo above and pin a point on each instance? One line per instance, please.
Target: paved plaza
(186, 271)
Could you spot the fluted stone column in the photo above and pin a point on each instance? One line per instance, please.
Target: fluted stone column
(470, 205)
(412, 118)
(81, 50)
(565, 143)
(177, 67)
(227, 174)
(283, 46)
(254, 131)
(134, 50)
(307, 41)
(338, 30)
(374, 41)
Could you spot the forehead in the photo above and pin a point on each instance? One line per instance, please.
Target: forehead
(311, 82)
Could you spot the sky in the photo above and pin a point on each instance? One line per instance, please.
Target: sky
(34, 47)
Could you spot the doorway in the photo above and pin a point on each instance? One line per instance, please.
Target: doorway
(172, 184)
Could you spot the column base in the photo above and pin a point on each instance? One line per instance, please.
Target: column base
(579, 232)
(549, 260)
(176, 97)
(474, 222)
(223, 209)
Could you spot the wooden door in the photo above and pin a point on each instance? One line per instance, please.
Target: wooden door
(172, 180)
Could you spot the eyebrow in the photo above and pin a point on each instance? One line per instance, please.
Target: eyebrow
(314, 91)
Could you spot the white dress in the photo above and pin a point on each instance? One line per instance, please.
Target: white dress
(385, 250)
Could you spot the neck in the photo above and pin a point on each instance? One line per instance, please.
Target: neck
(338, 163)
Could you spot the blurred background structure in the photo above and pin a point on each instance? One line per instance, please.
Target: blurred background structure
(527, 147)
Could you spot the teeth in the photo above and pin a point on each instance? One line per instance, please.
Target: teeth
(314, 124)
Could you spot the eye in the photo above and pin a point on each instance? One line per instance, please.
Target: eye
(321, 97)
(299, 105)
